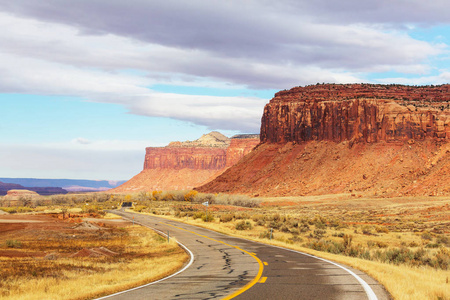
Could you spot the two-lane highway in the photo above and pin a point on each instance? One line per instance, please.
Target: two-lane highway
(229, 267)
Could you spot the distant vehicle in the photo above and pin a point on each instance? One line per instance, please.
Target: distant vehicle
(127, 204)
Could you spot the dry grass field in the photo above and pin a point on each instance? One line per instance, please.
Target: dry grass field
(47, 257)
(402, 242)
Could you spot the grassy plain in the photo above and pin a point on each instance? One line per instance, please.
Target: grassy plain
(65, 259)
(402, 242)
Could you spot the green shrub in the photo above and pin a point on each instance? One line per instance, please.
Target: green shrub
(442, 259)
(276, 217)
(258, 217)
(284, 228)
(261, 223)
(11, 210)
(319, 233)
(242, 216)
(207, 218)
(226, 218)
(347, 240)
(180, 214)
(244, 225)
(381, 229)
(366, 229)
(13, 244)
(340, 234)
(198, 215)
(275, 225)
(442, 239)
(265, 235)
(304, 228)
(426, 236)
(140, 208)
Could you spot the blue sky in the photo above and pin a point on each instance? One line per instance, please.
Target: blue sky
(86, 85)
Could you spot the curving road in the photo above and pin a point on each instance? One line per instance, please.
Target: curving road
(226, 267)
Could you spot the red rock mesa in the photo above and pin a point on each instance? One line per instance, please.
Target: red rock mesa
(351, 138)
(184, 165)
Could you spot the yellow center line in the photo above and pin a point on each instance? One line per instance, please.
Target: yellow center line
(263, 280)
(265, 263)
(248, 285)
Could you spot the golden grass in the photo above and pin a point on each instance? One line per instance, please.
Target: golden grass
(111, 216)
(147, 257)
(401, 281)
(411, 223)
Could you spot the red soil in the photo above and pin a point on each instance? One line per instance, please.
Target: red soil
(15, 227)
(319, 168)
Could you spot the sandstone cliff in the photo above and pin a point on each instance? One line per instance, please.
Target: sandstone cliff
(360, 112)
(184, 165)
(358, 138)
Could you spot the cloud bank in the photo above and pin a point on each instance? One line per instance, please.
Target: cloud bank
(115, 51)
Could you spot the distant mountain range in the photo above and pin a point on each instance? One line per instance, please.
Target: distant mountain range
(5, 187)
(56, 186)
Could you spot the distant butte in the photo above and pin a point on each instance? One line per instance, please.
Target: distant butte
(184, 165)
(362, 139)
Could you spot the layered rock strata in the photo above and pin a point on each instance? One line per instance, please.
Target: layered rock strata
(196, 158)
(360, 112)
(184, 165)
(355, 138)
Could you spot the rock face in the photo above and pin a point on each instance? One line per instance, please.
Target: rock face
(359, 112)
(196, 158)
(240, 145)
(207, 153)
(184, 165)
(359, 139)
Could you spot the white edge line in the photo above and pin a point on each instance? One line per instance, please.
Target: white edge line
(369, 292)
(162, 279)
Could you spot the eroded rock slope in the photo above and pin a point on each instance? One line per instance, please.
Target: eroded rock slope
(352, 138)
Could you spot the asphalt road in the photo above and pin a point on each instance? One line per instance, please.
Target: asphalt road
(225, 267)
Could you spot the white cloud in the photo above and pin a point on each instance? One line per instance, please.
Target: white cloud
(233, 113)
(100, 55)
(81, 140)
(114, 51)
(102, 160)
(442, 78)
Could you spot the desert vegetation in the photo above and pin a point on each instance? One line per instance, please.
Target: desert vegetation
(387, 238)
(59, 253)
(398, 241)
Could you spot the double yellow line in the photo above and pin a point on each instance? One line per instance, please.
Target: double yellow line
(260, 263)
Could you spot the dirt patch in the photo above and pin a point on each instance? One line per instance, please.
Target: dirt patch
(19, 221)
(279, 203)
(43, 235)
(95, 252)
(87, 226)
(18, 253)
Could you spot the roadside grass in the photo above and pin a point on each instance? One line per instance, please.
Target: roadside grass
(401, 242)
(141, 256)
